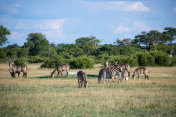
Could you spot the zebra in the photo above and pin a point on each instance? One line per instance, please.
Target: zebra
(110, 73)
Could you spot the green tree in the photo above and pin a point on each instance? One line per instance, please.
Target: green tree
(69, 50)
(37, 44)
(171, 32)
(88, 44)
(3, 33)
(124, 42)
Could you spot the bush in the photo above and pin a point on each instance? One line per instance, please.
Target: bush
(145, 59)
(132, 62)
(35, 59)
(161, 59)
(82, 63)
(54, 62)
(20, 61)
(173, 61)
(123, 60)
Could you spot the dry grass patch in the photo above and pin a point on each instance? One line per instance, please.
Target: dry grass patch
(39, 95)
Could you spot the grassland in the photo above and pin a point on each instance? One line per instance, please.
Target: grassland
(38, 95)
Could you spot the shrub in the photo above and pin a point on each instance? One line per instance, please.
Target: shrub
(20, 61)
(161, 59)
(35, 59)
(54, 62)
(173, 61)
(120, 59)
(145, 59)
(123, 60)
(132, 62)
(82, 63)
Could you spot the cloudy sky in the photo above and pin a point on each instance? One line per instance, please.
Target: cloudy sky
(63, 21)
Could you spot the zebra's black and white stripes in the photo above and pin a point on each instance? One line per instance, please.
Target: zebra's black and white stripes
(110, 73)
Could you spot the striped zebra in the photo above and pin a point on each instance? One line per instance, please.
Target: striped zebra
(110, 73)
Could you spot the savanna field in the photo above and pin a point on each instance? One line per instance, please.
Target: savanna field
(38, 95)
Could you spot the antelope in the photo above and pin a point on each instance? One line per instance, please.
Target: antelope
(13, 69)
(60, 69)
(82, 78)
(141, 70)
(124, 74)
(124, 66)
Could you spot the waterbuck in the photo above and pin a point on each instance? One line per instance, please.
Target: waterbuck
(82, 78)
(124, 66)
(124, 74)
(140, 70)
(13, 69)
(60, 69)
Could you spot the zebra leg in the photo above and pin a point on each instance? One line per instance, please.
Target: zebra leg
(99, 79)
(120, 77)
(104, 76)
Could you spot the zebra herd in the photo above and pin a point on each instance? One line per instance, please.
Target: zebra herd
(111, 72)
(121, 72)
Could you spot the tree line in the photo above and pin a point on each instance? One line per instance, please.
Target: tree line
(38, 49)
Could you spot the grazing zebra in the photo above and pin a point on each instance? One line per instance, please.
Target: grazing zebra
(110, 73)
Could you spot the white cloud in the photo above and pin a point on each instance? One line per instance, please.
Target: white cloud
(121, 29)
(135, 27)
(137, 6)
(54, 24)
(21, 25)
(17, 36)
(13, 8)
(117, 6)
(139, 26)
(175, 9)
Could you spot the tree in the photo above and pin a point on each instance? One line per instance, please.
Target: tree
(171, 32)
(140, 39)
(3, 33)
(37, 44)
(152, 38)
(88, 44)
(124, 42)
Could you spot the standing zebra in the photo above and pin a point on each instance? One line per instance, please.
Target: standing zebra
(109, 72)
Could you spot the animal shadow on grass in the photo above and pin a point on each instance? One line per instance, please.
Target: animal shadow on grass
(92, 76)
(44, 76)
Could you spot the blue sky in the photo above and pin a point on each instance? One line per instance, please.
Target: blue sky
(63, 21)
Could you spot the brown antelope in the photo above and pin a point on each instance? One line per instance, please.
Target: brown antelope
(82, 78)
(124, 74)
(17, 69)
(60, 69)
(124, 66)
(140, 70)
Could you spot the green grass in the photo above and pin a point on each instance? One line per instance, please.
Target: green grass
(58, 97)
